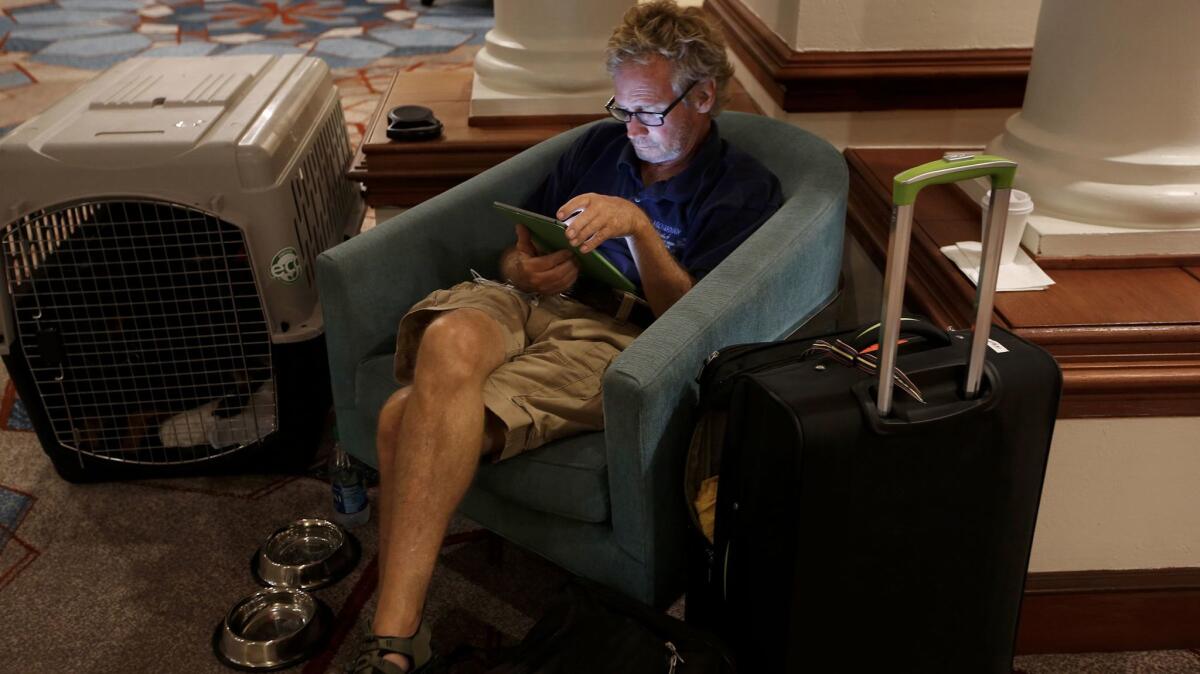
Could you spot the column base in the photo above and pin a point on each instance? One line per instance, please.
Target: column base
(490, 107)
(1054, 237)
(1049, 236)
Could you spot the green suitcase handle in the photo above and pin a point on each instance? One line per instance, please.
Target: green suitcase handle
(951, 168)
(955, 166)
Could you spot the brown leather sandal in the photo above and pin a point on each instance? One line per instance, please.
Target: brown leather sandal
(373, 649)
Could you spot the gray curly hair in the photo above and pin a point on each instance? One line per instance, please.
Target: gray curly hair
(683, 36)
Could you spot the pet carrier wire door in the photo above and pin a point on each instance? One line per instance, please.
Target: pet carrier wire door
(159, 308)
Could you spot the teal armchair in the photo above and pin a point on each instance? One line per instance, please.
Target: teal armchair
(608, 506)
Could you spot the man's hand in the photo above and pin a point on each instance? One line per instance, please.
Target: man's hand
(601, 218)
(533, 272)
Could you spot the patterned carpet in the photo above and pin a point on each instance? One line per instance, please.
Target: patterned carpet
(49, 47)
(15, 554)
(133, 577)
(126, 578)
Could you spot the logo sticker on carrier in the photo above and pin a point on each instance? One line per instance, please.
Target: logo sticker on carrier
(285, 266)
(997, 346)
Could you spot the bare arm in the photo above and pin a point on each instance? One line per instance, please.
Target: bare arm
(604, 218)
(663, 279)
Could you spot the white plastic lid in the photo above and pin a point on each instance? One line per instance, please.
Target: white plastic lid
(1018, 201)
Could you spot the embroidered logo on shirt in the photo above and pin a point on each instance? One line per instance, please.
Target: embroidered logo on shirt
(671, 235)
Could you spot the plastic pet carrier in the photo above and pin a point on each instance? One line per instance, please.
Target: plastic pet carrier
(159, 231)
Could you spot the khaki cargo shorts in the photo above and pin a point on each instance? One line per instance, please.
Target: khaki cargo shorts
(556, 352)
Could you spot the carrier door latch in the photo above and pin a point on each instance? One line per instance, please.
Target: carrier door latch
(50, 346)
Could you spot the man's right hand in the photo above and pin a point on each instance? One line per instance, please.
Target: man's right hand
(532, 272)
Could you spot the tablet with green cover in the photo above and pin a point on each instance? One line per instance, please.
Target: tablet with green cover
(550, 235)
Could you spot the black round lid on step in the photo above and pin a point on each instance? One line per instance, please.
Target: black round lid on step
(412, 122)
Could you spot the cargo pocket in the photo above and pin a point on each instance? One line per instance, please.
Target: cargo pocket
(571, 402)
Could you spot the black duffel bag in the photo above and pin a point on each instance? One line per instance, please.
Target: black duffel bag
(589, 629)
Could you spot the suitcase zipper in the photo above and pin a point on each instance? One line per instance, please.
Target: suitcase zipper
(728, 353)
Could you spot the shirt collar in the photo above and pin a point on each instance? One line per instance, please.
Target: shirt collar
(683, 186)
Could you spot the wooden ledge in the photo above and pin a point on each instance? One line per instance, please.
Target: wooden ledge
(1090, 611)
(824, 81)
(1127, 339)
(405, 174)
(399, 174)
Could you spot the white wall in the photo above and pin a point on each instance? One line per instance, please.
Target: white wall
(869, 25)
(779, 15)
(1120, 494)
(873, 25)
(880, 25)
(886, 128)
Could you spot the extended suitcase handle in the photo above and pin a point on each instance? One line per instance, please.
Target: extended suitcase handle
(952, 167)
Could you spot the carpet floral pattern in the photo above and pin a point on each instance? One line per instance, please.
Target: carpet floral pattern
(15, 553)
(50, 47)
(95, 34)
(13, 415)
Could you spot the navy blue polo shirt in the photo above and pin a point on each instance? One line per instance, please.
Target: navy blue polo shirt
(702, 214)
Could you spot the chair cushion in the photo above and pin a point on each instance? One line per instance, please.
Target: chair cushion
(568, 478)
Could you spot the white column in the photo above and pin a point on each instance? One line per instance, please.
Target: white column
(546, 57)
(1108, 140)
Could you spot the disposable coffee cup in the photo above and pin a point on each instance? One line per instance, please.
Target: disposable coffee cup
(1019, 208)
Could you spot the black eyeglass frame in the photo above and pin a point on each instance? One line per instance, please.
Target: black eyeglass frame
(660, 117)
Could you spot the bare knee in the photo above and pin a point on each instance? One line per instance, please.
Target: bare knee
(388, 429)
(458, 347)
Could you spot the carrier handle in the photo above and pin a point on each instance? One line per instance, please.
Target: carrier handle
(952, 167)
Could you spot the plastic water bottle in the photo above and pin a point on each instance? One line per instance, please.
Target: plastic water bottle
(350, 505)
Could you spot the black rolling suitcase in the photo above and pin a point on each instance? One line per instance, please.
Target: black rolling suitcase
(858, 529)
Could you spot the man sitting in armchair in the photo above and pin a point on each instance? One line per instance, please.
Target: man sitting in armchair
(497, 368)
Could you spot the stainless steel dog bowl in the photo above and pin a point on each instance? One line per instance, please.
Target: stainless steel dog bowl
(307, 554)
(272, 629)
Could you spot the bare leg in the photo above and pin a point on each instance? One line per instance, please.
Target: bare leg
(430, 438)
(386, 436)
(386, 439)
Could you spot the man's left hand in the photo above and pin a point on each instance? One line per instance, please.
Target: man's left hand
(601, 218)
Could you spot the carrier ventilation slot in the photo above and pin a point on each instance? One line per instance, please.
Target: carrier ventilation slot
(322, 193)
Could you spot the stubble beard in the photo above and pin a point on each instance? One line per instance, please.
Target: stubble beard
(659, 152)
(662, 151)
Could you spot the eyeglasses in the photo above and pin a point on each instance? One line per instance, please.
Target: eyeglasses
(646, 118)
